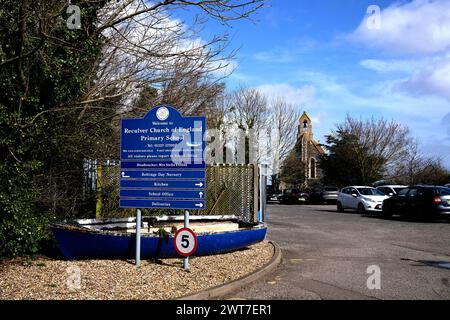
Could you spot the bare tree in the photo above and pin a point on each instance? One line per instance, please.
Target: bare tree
(418, 168)
(379, 145)
(432, 172)
(283, 132)
(250, 114)
(222, 10)
(146, 47)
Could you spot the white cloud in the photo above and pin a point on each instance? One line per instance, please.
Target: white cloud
(432, 79)
(298, 96)
(419, 27)
(416, 27)
(389, 66)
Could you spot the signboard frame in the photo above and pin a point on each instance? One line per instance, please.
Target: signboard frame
(163, 144)
(141, 163)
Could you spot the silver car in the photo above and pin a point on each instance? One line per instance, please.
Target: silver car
(391, 190)
(330, 194)
(361, 198)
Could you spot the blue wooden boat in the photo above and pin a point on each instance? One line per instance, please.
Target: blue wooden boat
(116, 238)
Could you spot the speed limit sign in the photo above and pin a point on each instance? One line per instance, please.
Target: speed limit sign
(185, 242)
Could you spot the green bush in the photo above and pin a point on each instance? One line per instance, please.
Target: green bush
(23, 234)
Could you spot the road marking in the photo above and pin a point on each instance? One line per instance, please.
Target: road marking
(295, 260)
(300, 260)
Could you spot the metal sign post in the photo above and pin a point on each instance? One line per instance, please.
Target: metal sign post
(186, 225)
(138, 237)
(262, 192)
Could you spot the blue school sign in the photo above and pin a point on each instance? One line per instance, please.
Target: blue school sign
(162, 161)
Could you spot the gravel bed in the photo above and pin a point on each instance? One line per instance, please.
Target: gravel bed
(45, 278)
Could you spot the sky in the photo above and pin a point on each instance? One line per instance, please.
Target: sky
(337, 57)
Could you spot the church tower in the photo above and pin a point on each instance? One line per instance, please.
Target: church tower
(304, 135)
(305, 126)
(310, 150)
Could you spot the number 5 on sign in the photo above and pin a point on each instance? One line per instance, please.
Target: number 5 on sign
(185, 242)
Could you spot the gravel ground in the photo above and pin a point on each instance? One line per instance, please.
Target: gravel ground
(45, 278)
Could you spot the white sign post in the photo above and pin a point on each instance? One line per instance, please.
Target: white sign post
(138, 237)
(186, 225)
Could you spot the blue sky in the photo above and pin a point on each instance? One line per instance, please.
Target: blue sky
(325, 57)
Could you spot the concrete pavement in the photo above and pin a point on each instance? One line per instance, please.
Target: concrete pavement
(326, 255)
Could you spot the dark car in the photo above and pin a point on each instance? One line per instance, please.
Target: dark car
(272, 195)
(293, 196)
(423, 202)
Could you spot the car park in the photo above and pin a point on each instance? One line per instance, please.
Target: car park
(422, 201)
(391, 190)
(361, 198)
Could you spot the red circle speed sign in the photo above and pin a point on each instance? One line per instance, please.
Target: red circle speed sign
(185, 242)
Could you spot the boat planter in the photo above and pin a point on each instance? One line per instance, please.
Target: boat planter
(116, 238)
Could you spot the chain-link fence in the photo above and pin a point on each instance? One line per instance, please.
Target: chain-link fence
(230, 190)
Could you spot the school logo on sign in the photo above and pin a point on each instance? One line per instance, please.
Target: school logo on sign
(162, 114)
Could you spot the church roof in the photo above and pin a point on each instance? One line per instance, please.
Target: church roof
(318, 146)
(305, 115)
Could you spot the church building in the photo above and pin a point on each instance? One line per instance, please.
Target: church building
(308, 152)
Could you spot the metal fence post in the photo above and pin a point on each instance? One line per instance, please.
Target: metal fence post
(263, 197)
(255, 192)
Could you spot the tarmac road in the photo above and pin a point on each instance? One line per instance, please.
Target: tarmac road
(326, 255)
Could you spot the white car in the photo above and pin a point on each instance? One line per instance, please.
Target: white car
(360, 198)
(391, 190)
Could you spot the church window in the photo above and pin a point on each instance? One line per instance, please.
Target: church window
(312, 168)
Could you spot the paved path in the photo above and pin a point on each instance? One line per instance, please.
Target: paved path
(326, 255)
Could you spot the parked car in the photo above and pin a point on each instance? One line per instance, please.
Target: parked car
(327, 194)
(330, 194)
(304, 196)
(273, 195)
(447, 185)
(421, 201)
(361, 199)
(391, 190)
(293, 196)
